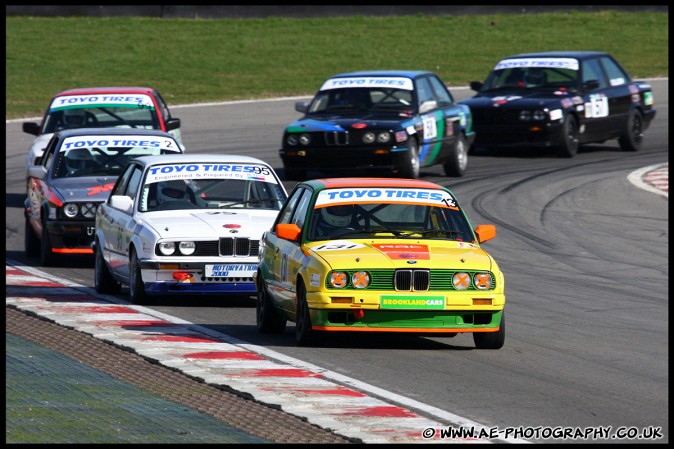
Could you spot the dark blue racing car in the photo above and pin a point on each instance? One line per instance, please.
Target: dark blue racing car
(560, 100)
(395, 121)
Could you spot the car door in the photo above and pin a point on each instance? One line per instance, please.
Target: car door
(619, 95)
(597, 121)
(283, 257)
(37, 190)
(437, 114)
(117, 227)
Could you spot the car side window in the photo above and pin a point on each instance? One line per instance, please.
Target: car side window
(122, 181)
(592, 71)
(163, 109)
(616, 75)
(134, 183)
(49, 152)
(300, 215)
(444, 97)
(424, 91)
(285, 216)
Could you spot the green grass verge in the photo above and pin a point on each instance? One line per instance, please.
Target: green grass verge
(196, 60)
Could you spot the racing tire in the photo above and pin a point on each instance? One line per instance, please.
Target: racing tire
(409, 168)
(570, 138)
(103, 280)
(304, 334)
(46, 255)
(632, 137)
(491, 340)
(269, 320)
(295, 174)
(456, 163)
(31, 244)
(137, 293)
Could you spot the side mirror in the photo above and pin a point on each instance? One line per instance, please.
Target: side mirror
(302, 106)
(485, 232)
(591, 84)
(31, 128)
(476, 85)
(122, 202)
(288, 231)
(172, 123)
(428, 106)
(37, 171)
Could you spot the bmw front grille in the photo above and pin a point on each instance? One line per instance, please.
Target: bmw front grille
(412, 280)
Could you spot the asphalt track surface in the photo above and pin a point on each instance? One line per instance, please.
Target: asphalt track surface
(66, 386)
(24, 413)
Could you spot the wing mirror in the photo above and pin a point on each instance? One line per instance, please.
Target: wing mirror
(31, 128)
(302, 106)
(37, 171)
(172, 123)
(485, 232)
(591, 84)
(288, 231)
(122, 202)
(428, 106)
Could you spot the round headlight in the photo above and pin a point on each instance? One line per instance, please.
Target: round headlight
(89, 210)
(525, 115)
(187, 248)
(70, 210)
(383, 137)
(305, 139)
(482, 281)
(539, 114)
(167, 248)
(360, 279)
(338, 279)
(292, 139)
(461, 281)
(368, 137)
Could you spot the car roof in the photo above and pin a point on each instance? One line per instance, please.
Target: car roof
(404, 73)
(560, 54)
(112, 132)
(106, 90)
(200, 158)
(405, 183)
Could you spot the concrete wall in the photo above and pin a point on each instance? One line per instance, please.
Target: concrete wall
(298, 11)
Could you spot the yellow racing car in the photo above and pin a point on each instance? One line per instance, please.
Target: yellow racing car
(378, 255)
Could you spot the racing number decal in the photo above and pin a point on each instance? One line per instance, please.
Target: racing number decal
(284, 267)
(430, 127)
(261, 170)
(336, 246)
(597, 107)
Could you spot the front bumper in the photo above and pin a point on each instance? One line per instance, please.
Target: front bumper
(470, 311)
(648, 116)
(518, 134)
(71, 237)
(176, 288)
(340, 158)
(190, 278)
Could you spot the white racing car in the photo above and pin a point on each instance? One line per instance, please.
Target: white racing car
(185, 224)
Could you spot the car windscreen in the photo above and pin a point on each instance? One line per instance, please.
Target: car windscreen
(362, 99)
(101, 111)
(412, 214)
(210, 186)
(80, 156)
(534, 73)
